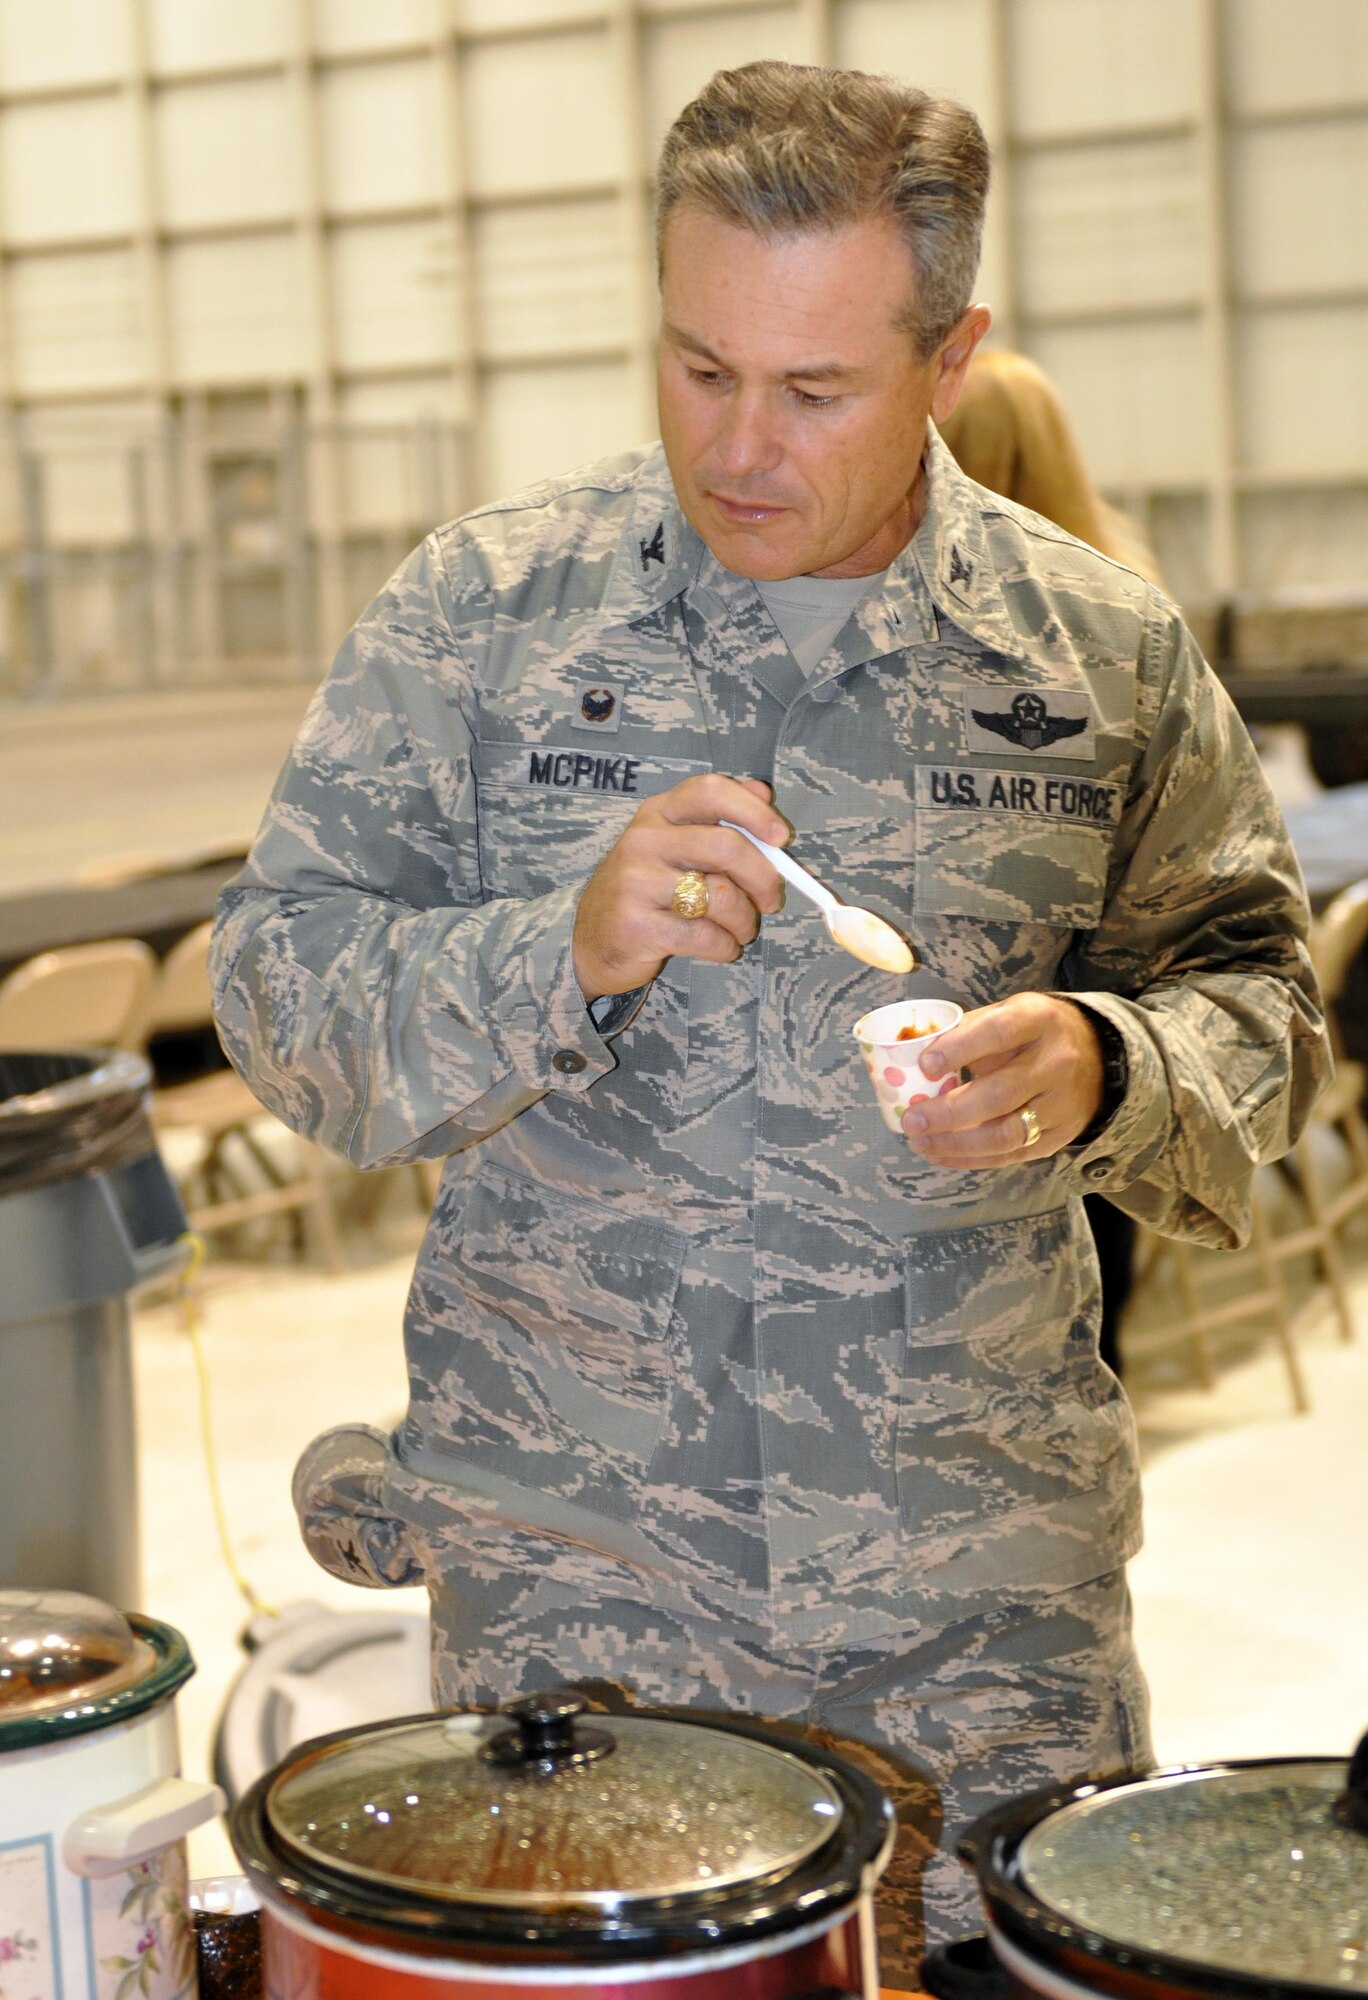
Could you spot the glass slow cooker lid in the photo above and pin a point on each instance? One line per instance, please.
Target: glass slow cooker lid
(60, 1651)
(547, 1811)
(1249, 1870)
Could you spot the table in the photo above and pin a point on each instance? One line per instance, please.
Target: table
(1330, 834)
(159, 909)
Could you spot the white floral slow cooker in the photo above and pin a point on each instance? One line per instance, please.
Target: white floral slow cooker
(93, 1810)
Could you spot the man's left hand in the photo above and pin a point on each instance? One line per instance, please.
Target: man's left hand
(1031, 1054)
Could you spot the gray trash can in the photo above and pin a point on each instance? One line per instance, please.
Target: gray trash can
(87, 1213)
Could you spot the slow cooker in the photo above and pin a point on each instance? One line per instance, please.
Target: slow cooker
(93, 1810)
(1238, 1881)
(684, 1855)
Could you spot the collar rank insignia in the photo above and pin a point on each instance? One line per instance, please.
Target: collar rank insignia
(1028, 723)
(654, 550)
(960, 570)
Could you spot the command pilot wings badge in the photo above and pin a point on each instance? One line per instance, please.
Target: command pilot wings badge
(1032, 720)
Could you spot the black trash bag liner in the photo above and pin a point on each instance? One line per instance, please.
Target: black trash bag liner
(69, 1112)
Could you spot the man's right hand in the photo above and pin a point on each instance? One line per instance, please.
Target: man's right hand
(625, 928)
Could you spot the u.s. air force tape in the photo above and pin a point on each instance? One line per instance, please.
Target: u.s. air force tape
(1046, 794)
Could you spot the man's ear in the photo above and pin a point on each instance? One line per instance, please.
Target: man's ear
(953, 357)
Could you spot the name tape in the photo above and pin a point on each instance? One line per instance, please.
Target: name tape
(577, 770)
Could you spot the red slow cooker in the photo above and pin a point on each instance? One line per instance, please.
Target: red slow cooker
(685, 1856)
(1239, 1881)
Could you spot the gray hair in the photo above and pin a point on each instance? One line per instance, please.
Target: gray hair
(785, 149)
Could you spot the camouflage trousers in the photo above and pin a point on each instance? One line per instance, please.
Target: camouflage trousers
(949, 1718)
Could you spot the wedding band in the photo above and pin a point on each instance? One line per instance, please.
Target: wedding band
(690, 898)
(1030, 1126)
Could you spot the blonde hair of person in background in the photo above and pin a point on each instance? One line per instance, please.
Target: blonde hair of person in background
(1010, 433)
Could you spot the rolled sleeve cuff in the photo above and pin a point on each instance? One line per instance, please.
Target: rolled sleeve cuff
(1138, 1130)
(551, 1035)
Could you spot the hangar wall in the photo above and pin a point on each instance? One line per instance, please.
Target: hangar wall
(284, 282)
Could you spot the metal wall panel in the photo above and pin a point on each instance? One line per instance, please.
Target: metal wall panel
(940, 45)
(76, 323)
(1281, 56)
(393, 295)
(1094, 65)
(498, 16)
(679, 55)
(381, 136)
(237, 309)
(207, 34)
(1301, 390)
(543, 421)
(1306, 546)
(409, 242)
(1111, 226)
(353, 27)
(227, 153)
(1134, 394)
(67, 170)
(1299, 207)
(47, 43)
(550, 278)
(542, 114)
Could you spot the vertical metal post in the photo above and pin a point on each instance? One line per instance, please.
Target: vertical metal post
(464, 368)
(1217, 312)
(319, 523)
(634, 215)
(997, 121)
(166, 660)
(36, 571)
(142, 577)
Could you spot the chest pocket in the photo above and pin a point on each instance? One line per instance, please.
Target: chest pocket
(549, 812)
(1010, 867)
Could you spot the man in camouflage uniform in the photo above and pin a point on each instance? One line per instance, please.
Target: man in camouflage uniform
(720, 1392)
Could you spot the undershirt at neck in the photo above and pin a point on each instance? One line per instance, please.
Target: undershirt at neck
(810, 610)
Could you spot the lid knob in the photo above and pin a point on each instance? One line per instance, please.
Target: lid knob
(1351, 1807)
(545, 1737)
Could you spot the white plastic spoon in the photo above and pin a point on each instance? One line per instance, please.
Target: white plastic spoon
(857, 931)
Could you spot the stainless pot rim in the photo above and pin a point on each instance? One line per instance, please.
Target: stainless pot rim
(1078, 1952)
(89, 1710)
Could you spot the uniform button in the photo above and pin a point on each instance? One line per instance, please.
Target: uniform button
(1097, 1170)
(569, 1062)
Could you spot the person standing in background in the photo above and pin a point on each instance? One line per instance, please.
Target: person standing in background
(1009, 431)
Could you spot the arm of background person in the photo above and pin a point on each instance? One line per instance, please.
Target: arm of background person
(1200, 962)
(363, 987)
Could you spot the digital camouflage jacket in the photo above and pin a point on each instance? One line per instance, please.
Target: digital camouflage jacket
(685, 1306)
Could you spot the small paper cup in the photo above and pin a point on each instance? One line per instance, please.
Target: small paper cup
(895, 1066)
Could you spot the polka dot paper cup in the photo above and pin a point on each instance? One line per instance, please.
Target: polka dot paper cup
(894, 1064)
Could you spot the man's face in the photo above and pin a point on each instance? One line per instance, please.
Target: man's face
(792, 404)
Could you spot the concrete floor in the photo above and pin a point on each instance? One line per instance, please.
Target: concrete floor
(1251, 1593)
(169, 775)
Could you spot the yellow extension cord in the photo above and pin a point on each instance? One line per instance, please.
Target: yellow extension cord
(190, 1315)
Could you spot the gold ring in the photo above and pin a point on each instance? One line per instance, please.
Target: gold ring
(690, 897)
(1030, 1126)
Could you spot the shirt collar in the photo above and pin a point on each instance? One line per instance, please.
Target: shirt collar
(659, 553)
(945, 568)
